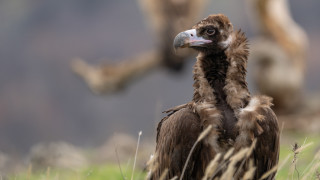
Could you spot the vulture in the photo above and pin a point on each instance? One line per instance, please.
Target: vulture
(222, 101)
(278, 54)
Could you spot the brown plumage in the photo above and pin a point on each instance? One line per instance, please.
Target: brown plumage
(221, 99)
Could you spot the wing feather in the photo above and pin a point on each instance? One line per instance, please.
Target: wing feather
(266, 154)
(175, 137)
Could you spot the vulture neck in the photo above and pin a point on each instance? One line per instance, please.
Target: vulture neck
(219, 78)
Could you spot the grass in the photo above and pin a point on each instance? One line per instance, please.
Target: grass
(102, 172)
(297, 166)
(303, 159)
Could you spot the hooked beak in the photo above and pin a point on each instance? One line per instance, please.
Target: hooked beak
(189, 38)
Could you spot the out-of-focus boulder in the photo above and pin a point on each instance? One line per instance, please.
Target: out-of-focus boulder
(57, 155)
(9, 163)
(126, 147)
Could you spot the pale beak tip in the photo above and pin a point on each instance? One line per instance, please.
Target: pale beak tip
(180, 40)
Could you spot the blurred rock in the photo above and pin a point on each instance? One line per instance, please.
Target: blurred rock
(9, 164)
(3, 160)
(306, 119)
(126, 148)
(57, 155)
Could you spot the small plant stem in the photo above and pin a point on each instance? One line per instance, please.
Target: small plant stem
(135, 157)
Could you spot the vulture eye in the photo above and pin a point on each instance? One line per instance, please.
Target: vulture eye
(210, 32)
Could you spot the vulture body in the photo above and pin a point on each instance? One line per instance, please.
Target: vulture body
(221, 99)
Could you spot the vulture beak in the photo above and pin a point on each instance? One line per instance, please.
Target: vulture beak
(189, 38)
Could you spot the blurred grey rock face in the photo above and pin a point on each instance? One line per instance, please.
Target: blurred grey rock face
(59, 155)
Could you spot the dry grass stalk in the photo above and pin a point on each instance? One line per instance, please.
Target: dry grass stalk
(135, 157)
(250, 172)
(118, 161)
(278, 167)
(212, 169)
(48, 172)
(164, 174)
(296, 149)
(201, 136)
(29, 172)
(204, 133)
(212, 166)
(174, 178)
(230, 160)
(152, 165)
(316, 158)
(303, 147)
(293, 167)
(231, 169)
(236, 157)
(311, 172)
(253, 145)
(272, 170)
(317, 175)
(127, 165)
(228, 154)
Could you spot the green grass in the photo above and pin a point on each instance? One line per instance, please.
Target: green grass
(304, 158)
(103, 172)
(112, 171)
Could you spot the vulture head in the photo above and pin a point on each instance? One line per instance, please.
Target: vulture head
(212, 34)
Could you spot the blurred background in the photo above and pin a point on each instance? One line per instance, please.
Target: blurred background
(42, 100)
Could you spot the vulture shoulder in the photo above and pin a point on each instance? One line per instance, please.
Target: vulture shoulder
(258, 120)
(176, 135)
(266, 154)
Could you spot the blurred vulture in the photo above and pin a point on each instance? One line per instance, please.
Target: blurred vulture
(166, 18)
(221, 100)
(278, 54)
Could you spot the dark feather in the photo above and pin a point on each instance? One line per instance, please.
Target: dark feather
(266, 153)
(176, 135)
(221, 99)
